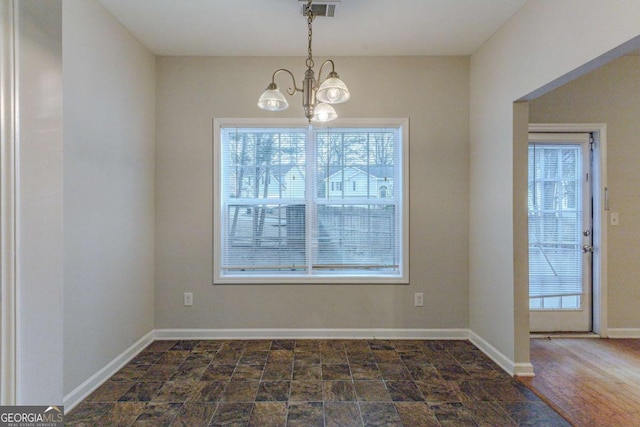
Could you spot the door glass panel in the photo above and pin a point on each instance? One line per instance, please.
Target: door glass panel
(555, 226)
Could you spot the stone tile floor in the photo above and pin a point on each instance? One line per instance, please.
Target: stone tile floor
(312, 383)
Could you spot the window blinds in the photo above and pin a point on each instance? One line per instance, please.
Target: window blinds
(356, 221)
(555, 220)
(297, 201)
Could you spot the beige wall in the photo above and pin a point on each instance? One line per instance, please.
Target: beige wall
(39, 234)
(544, 43)
(431, 92)
(610, 95)
(109, 131)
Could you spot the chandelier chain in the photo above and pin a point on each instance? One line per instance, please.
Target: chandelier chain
(309, 61)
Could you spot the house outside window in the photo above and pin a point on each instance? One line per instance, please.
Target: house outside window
(298, 204)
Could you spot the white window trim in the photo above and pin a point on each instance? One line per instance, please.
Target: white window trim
(218, 279)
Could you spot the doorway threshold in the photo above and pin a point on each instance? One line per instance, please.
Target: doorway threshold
(558, 335)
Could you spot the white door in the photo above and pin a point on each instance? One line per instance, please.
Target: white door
(560, 232)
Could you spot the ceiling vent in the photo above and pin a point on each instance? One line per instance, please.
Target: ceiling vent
(325, 8)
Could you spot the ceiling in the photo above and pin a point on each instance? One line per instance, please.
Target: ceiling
(278, 28)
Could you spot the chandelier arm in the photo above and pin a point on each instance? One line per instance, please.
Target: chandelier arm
(333, 69)
(290, 91)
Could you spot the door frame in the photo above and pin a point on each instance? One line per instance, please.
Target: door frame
(600, 207)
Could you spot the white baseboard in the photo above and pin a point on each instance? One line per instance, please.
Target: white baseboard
(623, 332)
(212, 334)
(523, 370)
(97, 379)
(511, 367)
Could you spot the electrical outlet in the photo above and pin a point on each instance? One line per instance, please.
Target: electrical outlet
(188, 299)
(418, 299)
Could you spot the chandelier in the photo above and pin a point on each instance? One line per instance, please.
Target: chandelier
(317, 96)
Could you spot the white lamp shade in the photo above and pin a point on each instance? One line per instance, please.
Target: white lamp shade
(324, 113)
(273, 100)
(333, 91)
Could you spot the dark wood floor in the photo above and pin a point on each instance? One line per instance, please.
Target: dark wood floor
(592, 382)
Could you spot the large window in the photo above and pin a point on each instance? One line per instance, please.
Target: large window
(302, 204)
